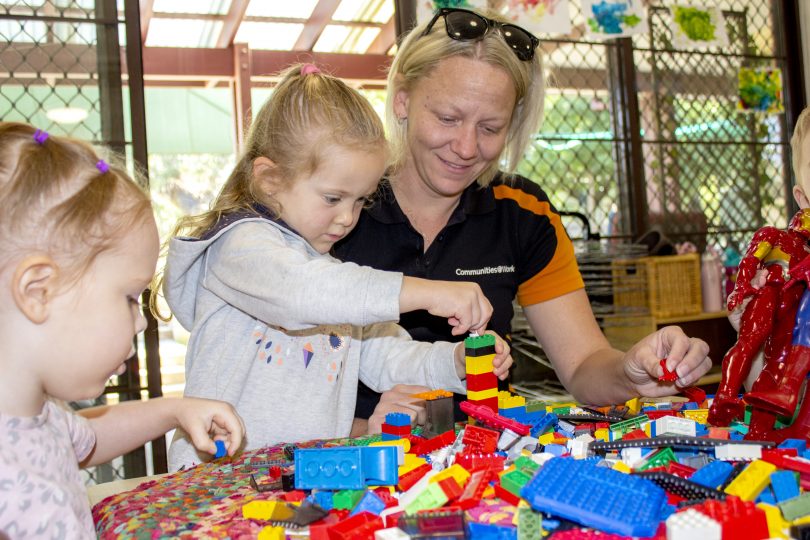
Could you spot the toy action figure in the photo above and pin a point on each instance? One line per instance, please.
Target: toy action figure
(767, 320)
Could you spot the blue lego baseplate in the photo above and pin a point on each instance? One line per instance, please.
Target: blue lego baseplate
(596, 497)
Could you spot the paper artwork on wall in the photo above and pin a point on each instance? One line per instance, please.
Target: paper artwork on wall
(698, 27)
(614, 18)
(760, 90)
(426, 8)
(540, 16)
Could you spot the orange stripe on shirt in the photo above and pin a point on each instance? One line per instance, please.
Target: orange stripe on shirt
(561, 275)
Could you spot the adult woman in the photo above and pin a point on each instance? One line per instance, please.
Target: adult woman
(465, 94)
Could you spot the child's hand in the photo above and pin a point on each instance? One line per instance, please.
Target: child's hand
(501, 363)
(398, 399)
(461, 302)
(206, 420)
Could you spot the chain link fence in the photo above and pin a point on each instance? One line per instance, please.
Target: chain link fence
(60, 71)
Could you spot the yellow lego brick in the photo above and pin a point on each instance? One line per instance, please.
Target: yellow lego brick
(546, 438)
(482, 394)
(404, 443)
(776, 524)
(433, 394)
(621, 466)
(411, 462)
(480, 364)
(634, 405)
(749, 483)
(272, 533)
(267, 510)
(506, 400)
(602, 434)
(698, 415)
(459, 474)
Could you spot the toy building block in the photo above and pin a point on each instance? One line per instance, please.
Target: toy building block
(749, 483)
(221, 450)
(777, 526)
(491, 532)
(682, 487)
(479, 353)
(739, 520)
(480, 439)
(530, 524)
(712, 474)
(428, 497)
(429, 445)
(691, 524)
(357, 527)
(347, 499)
(271, 533)
(797, 507)
(438, 411)
(785, 485)
(491, 419)
(407, 480)
(391, 533)
(267, 510)
(672, 425)
(455, 471)
(435, 523)
(346, 467)
(370, 502)
(470, 461)
(324, 499)
(596, 497)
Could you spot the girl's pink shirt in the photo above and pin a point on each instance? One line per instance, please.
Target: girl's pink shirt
(42, 494)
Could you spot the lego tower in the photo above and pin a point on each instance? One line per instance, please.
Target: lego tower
(482, 384)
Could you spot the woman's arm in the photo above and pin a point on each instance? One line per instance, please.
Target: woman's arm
(596, 373)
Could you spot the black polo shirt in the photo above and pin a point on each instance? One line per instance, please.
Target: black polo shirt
(506, 237)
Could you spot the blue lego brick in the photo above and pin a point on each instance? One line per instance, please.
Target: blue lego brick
(389, 437)
(323, 499)
(345, 467)
(397, 419)
(766, 496)
(713, 474)
(545, 421)
(221, 450)
(689, 406)
(596, 497)
(555, 449)
(371, 502)
(482, 531)
(799, 444)
(785, 485)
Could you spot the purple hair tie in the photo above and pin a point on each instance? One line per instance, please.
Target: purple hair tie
(309, 69)
(102, 166)
(40, 136)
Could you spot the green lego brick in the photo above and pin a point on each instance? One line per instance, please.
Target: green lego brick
(347, 499)
(796, 507)
(535, 405)
(471, 344)
(514, 480)
(530, 524)
(659, 458)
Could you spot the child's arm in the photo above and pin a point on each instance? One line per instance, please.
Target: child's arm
(128, 425)
(461, 302)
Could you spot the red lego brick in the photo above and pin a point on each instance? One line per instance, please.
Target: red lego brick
(483, 381)
(740, 520)
(655, 415)
(294, 496)
(472, 461)
(491, 403)
(506, 495)
(440, 441)
(684, 471)
(450, 488)
(407, 480)
(398, 431)
(474, 490)
(635, 434)
(358, 527)
(480, 439)
(320, 529)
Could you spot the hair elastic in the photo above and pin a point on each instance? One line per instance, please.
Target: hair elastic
(309, 69)
(102, 166)
(40, 136)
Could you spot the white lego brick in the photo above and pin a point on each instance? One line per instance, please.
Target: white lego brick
(738, 452)
(392, 533)
(691, 525)
(672, 425)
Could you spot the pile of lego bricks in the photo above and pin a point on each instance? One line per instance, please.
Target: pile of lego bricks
(532, 470)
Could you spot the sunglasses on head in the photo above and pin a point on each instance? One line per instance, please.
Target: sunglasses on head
(465, 25)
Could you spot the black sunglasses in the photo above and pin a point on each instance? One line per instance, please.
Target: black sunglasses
(465, 25)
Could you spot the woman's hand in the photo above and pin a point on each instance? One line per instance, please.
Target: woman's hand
(687, 357)
(206, 420)
(501, 363)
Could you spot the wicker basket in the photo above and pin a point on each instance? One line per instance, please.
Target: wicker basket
(664, 287)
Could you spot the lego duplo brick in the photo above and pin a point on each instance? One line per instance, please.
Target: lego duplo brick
(346, 467)
(596, 497)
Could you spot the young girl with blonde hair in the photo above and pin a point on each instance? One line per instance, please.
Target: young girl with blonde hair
(78, 246)
(279, 328)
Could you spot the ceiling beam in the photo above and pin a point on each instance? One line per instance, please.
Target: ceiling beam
(385, 39)
(232, 21)
(320, 17)
(146, 16)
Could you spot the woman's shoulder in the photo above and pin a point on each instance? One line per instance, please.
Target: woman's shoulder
(517, 184)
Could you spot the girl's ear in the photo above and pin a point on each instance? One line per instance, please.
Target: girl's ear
(33, 286)
(801, 197)
(265, 172)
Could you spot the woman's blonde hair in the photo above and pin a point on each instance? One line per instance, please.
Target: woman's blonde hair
(58, 197)
(801, 131)
(419, 55)
(307, 111)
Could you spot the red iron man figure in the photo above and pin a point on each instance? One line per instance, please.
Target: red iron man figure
(769, 317)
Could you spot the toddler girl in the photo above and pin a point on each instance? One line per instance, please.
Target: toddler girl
(279, 328)
(78, 246)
